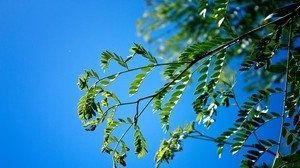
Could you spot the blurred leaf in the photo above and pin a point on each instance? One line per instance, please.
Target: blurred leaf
(277, 68)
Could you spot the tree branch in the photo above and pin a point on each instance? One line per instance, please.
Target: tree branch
(201, 136)
(139, 68)
(286, 86)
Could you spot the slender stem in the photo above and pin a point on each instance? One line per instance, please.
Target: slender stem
(122, 136)
(286, 85)
(134, 123)
(239, 107)
(145, 107)
(235, 100)
(208, 138)
(136, 113)
(201, 136)
(256, 137)
(138, 68)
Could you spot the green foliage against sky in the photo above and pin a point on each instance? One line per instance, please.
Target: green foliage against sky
(201, 41)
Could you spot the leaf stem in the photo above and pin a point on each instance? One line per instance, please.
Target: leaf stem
(235, 100)
(286, 87)
(134, 123)
(239, 107)
(138, 68)
(201, 136)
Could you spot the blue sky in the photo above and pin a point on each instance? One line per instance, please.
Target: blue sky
(44, 47)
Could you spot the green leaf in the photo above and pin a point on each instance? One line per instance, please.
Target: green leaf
(139, 143)
(271, 90)
(289, 139)
(124, 147)
(225, 101)
(284, 132)
(220, 150)
(282, 11)
(83, 83)
(235, 149)
(138, 49)
(251, 157)
(273, 142)
(294, 146)
(104, 102)
(129, 120)
(104, 82)
(122, 120)
(106, 56)
(136, 83)
(171, 103)
(261, 148)
(275, 114)
(86, 105)
(91, 125)
(220, 10)
(277, 68)
(120, 159)
(198, 50)
(254, 152)
(110, 78)
(291, 160)
(266, 143)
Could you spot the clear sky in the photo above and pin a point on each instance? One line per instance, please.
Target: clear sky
(44, 47)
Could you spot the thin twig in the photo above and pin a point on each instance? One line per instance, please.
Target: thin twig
(138, 68)
(235, 100)
(132, 124)
(201, 136)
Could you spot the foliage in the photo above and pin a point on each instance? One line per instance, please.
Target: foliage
(218, 34)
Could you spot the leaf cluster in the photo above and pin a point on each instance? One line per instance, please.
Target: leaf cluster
(204, 64)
